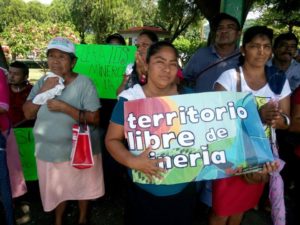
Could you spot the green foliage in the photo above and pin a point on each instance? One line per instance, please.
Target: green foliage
(187, 47)
(190, 40)
(175, 16)
(32, 24)
(59, 11)
(11, 12)
(37, 11)
(32, 36)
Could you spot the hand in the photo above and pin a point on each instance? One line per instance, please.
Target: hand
(49, 83)
(125, 79)
(140, 67)
(270, 113)
(269, 167)
(148, 166)
(55, 105)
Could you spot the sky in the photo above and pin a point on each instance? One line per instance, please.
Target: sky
(42, 1)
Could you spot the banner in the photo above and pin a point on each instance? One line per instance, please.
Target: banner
(105, 65)
(25, 141)
(201, 136)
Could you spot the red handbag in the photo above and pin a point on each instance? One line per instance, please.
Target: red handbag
(81, 155)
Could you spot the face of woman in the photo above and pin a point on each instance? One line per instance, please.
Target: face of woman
(162, 68)
(59, 62)
(142, 44)
(258, 51)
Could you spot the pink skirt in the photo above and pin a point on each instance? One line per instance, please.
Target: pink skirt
(17, 181)
(60, 182)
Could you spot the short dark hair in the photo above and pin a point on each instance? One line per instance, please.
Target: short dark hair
(22, 66)
(285, 36)
(223, 16)
(155, 47)
(251, 32)
(150, 34)
(115, 36)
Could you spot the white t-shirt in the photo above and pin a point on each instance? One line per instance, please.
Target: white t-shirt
(228, 80)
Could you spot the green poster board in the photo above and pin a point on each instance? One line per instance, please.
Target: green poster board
(25, 141)
(105, 65)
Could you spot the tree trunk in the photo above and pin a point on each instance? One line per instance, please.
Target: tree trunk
(3, 62)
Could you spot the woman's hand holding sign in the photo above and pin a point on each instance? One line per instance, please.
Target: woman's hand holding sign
(150, 167)
(273, 115)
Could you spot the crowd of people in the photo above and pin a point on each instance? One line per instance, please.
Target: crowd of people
(62, 97)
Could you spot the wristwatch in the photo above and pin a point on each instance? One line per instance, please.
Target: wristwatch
(286, 119)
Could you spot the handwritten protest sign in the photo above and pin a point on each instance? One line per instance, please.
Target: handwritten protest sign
(200, 136)
(105, 65)
(25, 141)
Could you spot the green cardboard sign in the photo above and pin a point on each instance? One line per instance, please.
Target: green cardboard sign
(105, 65)
(25, 141)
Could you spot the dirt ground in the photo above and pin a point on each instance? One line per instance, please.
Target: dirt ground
(109, 210)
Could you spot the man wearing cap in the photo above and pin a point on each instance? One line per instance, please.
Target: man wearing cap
(207, 64)
(284, 49)
(59, 181)
(19, 90)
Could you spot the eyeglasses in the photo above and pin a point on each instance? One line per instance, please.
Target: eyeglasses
(143, 45)
(229, 27)
(286, 45)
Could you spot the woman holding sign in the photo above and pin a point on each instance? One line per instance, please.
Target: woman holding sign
(150, 204)
(55, 101)
(235, 195)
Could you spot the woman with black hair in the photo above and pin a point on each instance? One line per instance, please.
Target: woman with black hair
(135, 73)
(235, 195)
(150, 204)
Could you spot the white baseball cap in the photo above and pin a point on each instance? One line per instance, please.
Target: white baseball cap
(62, 44)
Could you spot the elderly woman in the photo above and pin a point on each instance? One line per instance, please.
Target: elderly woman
(58, 180)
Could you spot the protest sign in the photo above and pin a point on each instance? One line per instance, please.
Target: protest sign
(25, 141)
(105, 65)
(201, 136)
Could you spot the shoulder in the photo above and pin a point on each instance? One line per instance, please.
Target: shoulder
(295, 64)
(83, 78)
(203, 51)
(229, 73)
(228, 78)
(136, 92)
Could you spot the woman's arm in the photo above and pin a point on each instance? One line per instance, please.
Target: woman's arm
(123, 84)
(219, 87)
(114, 142)
(295, 118)
(55, 105)
(29, 108)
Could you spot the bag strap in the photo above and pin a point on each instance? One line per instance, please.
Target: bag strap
(216, 63)
(81, 117)
(238, 79)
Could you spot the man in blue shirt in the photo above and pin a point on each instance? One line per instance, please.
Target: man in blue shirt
(207, 64)
(284, 49)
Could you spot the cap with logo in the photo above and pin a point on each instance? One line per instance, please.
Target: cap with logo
(62, 44)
